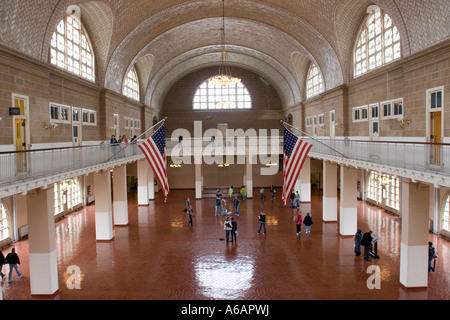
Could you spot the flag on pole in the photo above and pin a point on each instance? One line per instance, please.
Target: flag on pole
(295, 151)
(154, 149)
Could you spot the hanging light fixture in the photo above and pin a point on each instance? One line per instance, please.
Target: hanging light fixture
(224, 78)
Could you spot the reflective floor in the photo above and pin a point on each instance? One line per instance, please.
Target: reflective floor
(158, 256)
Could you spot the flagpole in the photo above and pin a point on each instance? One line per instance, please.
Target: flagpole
(291, 126)
(163, 120)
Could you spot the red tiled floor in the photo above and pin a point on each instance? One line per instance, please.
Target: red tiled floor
(159, 257)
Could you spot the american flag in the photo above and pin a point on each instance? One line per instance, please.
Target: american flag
(154, 149)
(295, 152)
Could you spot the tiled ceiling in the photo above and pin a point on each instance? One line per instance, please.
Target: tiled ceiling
(168, 39)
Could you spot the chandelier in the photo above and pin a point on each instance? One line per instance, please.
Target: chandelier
(224, 78)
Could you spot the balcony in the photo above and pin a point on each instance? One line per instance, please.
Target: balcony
(21, 171)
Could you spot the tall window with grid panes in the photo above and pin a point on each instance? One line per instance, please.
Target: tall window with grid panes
(378, 43)
(216, 97)
(384, 189)
(4, 223)
(70, 49)
(314, 82)
(131, 85)
(67, 195)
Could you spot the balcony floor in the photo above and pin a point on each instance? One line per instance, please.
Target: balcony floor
(159, 257)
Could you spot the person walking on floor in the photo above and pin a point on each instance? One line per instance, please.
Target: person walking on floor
(236, 206)
(262, 222)
(272, 192)
(224, 207)
(2, 262)
(217, 213)
(357, 238)
(297, 199)
(431, 256)
(243, 192)
(13, 260)
(263, 197)
(234, 230)
(190, 214)
(307, 222)
(228, 228)
(298, 221)
(366, 241)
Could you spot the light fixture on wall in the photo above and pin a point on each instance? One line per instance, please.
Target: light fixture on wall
(223, 165)
(402, 121)
(52, 126)
(270, 164)
(175, 165)
(338, 125)
(224, 78)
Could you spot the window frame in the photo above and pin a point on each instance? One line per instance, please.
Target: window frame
(362, 112)
(314, 82)
(387, 109)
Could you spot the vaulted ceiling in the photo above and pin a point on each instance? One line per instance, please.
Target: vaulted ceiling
(166, 40)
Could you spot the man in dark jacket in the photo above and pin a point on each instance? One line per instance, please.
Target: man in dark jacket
(13, 260)
(366, 241)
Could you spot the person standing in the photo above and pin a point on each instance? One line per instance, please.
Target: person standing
(236, 206)
(228, 228)
(431, 256)
(366, 241)
(292, 198)
(2, 262)
(298, 221)
(188, 202)
(297, 199)
(357, 238)
(307, 222)
(234, 230)
(230, 192)
(272, 192)
(263, 197)
(224, 207)
(190, 215)
(217, 213)
(262, 222)
(13, 260)
(243, 192)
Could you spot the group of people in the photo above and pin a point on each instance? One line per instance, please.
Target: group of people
(13, 260)
(123, 139)
(221, 203)
(365, 240)
(307, 221)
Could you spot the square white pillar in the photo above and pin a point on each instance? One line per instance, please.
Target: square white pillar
(103, 206)
(42, 244)
(414, 242)
(142, 185)
(348, 218)
(329, 199)
(305, 181)
(120, 203)
(150, 183)
(198, 180)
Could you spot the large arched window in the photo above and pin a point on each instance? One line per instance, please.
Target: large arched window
(4, 223)
(314, 82)
(377, 44)
(216, 97)
(70, 49)
(131, 85)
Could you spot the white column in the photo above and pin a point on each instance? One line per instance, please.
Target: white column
(198, 179)
(305, 181)
(120, 203)
(414, 242)
(42, 244)
(329, 199)
(142, 168)
(348, 202)
(151, 183)
(249, 174)
(103, 206)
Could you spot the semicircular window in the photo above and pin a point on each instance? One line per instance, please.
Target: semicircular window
(216, 97)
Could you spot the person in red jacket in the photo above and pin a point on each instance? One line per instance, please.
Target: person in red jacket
(298, 221)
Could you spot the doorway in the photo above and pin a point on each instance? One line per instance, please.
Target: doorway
(374, 122)
(21, 133)
(435, 127)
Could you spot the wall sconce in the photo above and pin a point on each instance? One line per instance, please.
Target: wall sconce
(222, 165)
(270, 164)
(175, 165)
(52, 126)
(402, 121)
(338, 125)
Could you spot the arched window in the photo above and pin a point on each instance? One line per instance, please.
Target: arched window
(378, 43)
(131, 85)
(4, 223)
(314, 82)
(70, 49)
(446, 215)
(216, 97)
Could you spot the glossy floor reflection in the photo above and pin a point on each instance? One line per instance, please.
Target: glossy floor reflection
(159, 256)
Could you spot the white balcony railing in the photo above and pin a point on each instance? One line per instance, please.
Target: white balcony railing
(16, 167)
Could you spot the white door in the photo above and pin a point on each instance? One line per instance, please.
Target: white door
(76, 135)
(374, 122)
(332, 124)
